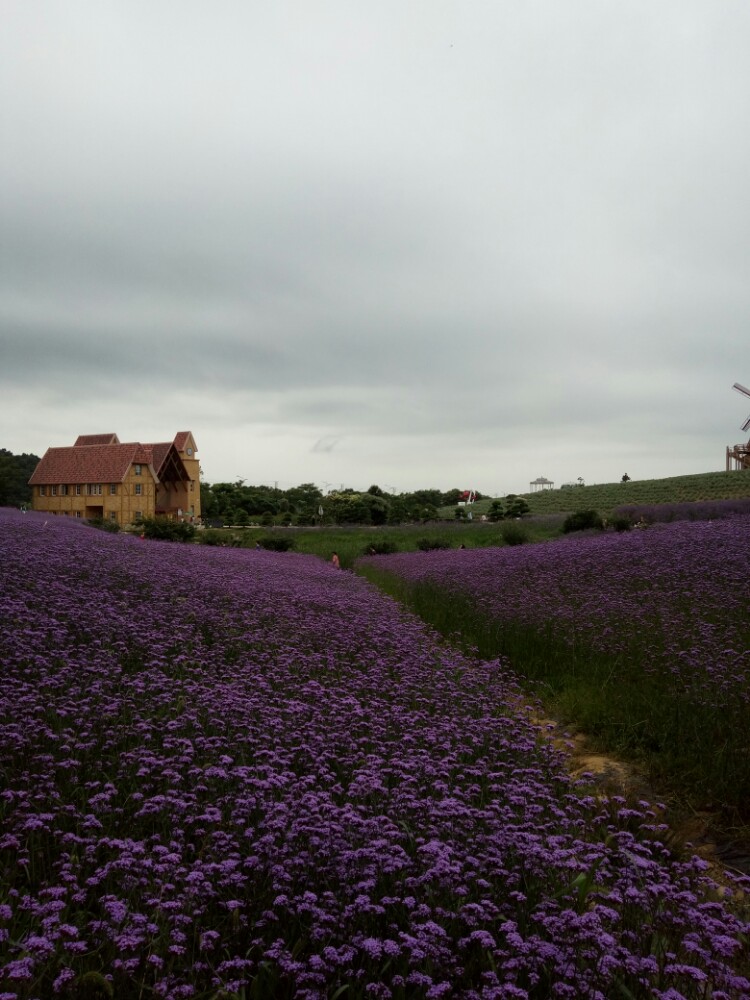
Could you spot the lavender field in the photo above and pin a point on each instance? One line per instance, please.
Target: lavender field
(643, 636)
(238, 774)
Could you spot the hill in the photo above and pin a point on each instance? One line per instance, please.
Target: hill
(605, 497)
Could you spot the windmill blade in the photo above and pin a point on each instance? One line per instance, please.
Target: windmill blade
(745, 392)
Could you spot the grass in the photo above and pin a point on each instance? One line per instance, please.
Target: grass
(548, 510)
(606, 497)
(633, 640)
(353, 542)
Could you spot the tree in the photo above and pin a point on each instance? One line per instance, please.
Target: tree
(209, 503)
(625, 478)
(427, 498)
(451, 498)
(516, 507)
(15, 472)
(304, 501)
(377, 505)
(348, 508)
(496, 511)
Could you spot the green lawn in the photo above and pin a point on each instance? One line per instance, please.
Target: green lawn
(548, 509)
(351, 542)
(605, 497)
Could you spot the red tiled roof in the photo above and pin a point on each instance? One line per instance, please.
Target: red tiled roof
(87, 439)
(93, 463)
(157, 454)
(101, 458)
(181, 440)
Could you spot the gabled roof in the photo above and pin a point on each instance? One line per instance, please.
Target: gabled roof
(101, 458)
(183, 439)
(166, 462)
(92, 463)
(158, 453)
(85, 439)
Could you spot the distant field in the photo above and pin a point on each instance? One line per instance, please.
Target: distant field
(547, 514)
(607, 496)
(353, 541)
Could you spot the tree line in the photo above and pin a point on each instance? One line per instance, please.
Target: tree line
(15, 472)
(240, 504)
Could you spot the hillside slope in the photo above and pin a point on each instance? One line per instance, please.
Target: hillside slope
(605, 497)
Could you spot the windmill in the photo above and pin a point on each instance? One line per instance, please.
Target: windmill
(738, 456)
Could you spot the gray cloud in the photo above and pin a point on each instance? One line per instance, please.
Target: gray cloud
(326, 444)
(462, 244)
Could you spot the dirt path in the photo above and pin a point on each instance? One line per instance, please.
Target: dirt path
(698, 833)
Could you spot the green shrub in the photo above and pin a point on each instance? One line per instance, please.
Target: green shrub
(430, 544)
(621, 522)
(516, 506)
(104, 525)
(381, 549)
(496, 511)
(514, 534)
(581, 520)
(277, 543)
(212, 536)
(165, 530)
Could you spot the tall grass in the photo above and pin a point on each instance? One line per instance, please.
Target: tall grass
(640, 639)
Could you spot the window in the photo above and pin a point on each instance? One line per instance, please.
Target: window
(78, 489)
(113, 515)
(63, 491)
(138, 470)
(138, 515)
(192, 485)
(53, 491)
(95, 489)
(113, 489)
(137, 489)
(42, 491)
(79, 514)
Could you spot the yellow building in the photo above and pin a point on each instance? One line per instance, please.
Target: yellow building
(98, 477)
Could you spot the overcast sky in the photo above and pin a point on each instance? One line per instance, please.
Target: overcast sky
(418, 243)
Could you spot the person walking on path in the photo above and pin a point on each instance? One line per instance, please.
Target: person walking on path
(335, 560)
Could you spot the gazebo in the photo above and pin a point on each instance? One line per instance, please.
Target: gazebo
(541, 484)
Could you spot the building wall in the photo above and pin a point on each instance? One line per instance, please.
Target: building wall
(123, 505)
(189, 496)
(182, 500)
(134, 503)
